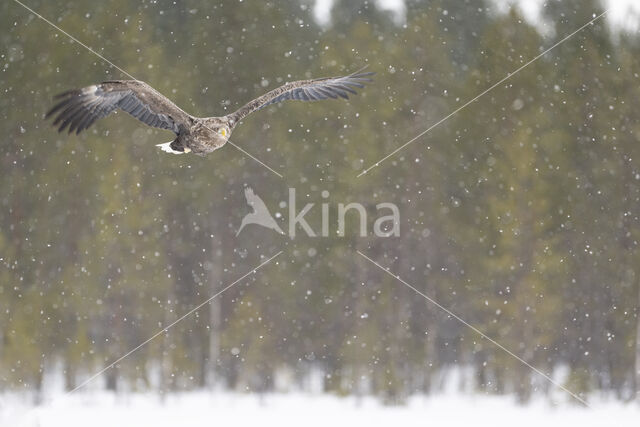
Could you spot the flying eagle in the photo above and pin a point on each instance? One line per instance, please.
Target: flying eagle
(79, 109)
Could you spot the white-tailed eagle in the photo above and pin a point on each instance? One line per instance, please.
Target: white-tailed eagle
(78, 109)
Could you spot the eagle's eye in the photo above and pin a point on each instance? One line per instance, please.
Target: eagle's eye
(222, 131)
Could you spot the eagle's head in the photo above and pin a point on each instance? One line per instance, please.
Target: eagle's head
(216, 131)
(222, 132)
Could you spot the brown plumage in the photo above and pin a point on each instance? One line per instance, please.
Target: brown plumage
(79, 109)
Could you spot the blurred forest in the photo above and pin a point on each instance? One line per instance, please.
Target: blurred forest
(520, 213)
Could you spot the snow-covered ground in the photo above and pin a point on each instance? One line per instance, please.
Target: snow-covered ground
(208, 409)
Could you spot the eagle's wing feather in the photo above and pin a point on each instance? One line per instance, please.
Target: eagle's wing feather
(305, 90)
(79, 109)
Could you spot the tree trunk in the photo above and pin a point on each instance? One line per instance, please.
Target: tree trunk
(112, 379)
(69, 374)
(637, 361)
(214, 332)
(215, 309)
(166, 358)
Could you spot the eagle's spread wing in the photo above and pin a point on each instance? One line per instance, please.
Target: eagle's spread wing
(78, 109)
(305, 90)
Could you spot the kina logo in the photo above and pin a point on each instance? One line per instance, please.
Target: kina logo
(260, 215)
(384, 225)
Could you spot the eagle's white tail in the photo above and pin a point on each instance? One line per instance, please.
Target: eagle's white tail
(166, 147)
